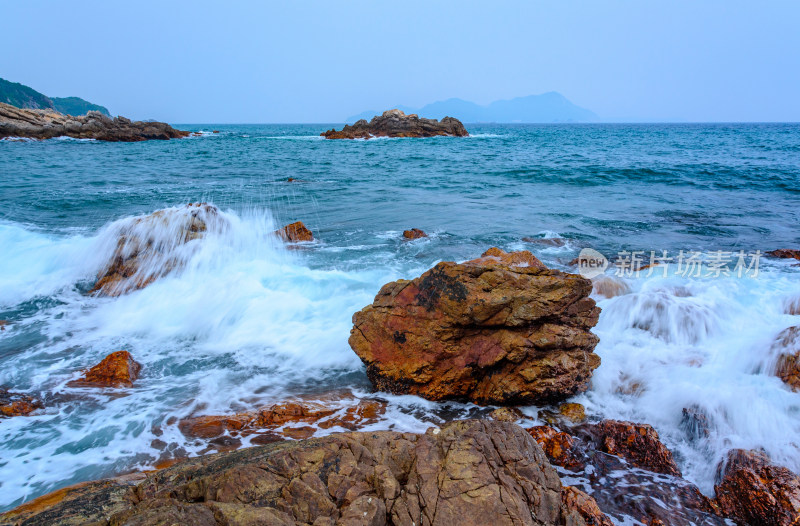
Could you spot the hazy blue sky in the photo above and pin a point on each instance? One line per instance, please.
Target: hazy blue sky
(226, 61)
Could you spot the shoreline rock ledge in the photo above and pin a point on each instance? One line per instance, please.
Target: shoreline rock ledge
(500, 329)
(395, 123)
(46, 124)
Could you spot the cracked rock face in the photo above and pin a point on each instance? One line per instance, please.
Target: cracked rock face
(395, 123)
(469, 472)
(501, 329)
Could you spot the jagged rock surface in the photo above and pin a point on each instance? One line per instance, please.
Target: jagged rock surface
(46, 124)
(395, 123)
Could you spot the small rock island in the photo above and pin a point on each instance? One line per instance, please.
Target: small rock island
(48, 123)
(395, 123)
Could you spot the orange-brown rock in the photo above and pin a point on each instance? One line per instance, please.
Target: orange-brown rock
(414, 233)
(752, 491)
(467, 473)
(573, 412)
(295, 233)
(785, 253)
(500, 329)
(609, 287)
(395, 123)
(557, 445)
(3, 324)
(152, 246)
(507, 414)
(637, 443)
(792, 306)
(118, 369)
(578, 506)
(16, 404)
(347, 413)
(787, 347)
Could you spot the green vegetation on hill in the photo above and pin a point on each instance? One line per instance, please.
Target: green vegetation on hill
(22, 96)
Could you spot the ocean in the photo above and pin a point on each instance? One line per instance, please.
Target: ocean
(251, 321)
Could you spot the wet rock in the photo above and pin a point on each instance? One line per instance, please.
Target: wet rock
(17, 404)
(3, 324)
(395, 123)
(414, 233)
(507, 414)
(46, 124)
(753, 491)
(501, 329)
(792, 306)
(580, 506)
(468, 473)
(118, 369)
(152, 246)
(545, 241)
(695, 423)
(573, 412)
(636, 443)
(558, 446)
(785, 253)
(609, 287)
(295, 232)
(787, 346)
(282, 418)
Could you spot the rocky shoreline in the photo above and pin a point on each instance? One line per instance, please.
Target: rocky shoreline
(395, 123)
(46, 124)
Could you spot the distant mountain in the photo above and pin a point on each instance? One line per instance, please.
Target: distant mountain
(22, 96)
(547, 107)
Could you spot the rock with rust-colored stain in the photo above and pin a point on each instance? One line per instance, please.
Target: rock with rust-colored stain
(637, 443)
(17, 404)
(507, 414)
(580, 506)
(751, 490)
(295, 233)
(348, 413)
(152, 246)
(787, 347)
(118, 369)
(573, 412)
(500, 329)
(469, 473)
(558, 446)
(784, 253)
(395, 123)
(414, 233)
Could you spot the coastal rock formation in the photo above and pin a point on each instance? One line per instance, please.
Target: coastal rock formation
(787, 346)
(414, 233)
(395, 123)
(753, 491)
(118, 369)
(637, 443)
(46, 124)
(16, 404)
(558, 446)
(295, 233)
(149, 247)
(345, 412)
(468, 472)
(785, 253)
(500, 329)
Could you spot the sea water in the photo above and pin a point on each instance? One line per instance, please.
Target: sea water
(249, 321)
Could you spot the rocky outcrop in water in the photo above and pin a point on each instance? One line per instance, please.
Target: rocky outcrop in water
(46, 124)
(17, 404)
(753, 491)
(468, 473)
(295, 232)
(785, 253)
(500, 329)
(152, 246)
(414, 233)
(787, 368)
(395, 123)
(118, 369)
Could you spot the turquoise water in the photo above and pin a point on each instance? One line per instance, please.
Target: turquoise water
(250, 321)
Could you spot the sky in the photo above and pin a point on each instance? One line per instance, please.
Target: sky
(257, 62)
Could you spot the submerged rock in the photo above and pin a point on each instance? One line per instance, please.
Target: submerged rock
(414, 233)
(467, 473)
(395, 123)
(152, 246)
(118, 369)
(787, 368)
(753, 491)
(501, 329)
(295, 233)
(17, 404)
(46, 124)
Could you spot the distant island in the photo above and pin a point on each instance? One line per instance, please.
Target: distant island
(547, 107)
(24, 97)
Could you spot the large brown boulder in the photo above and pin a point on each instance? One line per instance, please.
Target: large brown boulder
(46, 124)
(395, 123)
(152, 246)
(118, 369)
(754, 492)
(501, 329)
(17, 404)
(468, 473)
(637, 443)
(295, 232)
